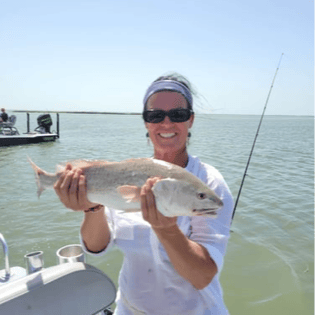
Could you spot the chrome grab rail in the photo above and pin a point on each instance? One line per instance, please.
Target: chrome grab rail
(6, 255)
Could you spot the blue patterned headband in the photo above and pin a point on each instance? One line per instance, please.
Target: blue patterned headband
(169, 85)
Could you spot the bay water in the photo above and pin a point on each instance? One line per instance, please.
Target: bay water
(269, 265)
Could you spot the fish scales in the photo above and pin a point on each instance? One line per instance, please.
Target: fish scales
(118, 184)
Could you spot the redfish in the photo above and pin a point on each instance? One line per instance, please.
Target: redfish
(118, 184)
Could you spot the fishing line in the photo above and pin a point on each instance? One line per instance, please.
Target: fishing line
(251, 152)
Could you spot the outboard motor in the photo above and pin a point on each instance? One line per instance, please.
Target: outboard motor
(44, 123)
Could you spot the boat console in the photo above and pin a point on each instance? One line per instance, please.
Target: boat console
(72, 287)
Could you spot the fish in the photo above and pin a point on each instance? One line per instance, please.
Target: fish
(118, 184)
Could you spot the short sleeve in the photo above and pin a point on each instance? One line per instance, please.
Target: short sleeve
(213, 233)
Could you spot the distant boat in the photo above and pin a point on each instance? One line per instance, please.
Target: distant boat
(9, 135)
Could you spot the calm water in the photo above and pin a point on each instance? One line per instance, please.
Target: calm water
(269, 266)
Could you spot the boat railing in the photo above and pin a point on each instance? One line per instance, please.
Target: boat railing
(6, 256)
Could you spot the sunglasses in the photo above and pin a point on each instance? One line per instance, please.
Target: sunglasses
(175, 115)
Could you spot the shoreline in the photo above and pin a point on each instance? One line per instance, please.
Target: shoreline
(139, 114)
(72, 112)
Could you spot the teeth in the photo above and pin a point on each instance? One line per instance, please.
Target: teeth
(167, 135)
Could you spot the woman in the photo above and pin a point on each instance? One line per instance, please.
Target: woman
(171, 265)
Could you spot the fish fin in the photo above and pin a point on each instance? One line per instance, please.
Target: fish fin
(129, 193)
(38, 171)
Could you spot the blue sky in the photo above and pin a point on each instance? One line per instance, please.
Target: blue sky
(102, 55)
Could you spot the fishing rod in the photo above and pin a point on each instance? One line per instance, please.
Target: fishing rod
(251, 152)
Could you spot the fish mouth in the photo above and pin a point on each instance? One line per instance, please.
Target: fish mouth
(209, 211)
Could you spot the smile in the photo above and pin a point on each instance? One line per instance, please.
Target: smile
(167, 135)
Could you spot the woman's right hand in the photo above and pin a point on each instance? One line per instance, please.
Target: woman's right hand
(71, 189)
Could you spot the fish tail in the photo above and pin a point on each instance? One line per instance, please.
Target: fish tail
(38, 171)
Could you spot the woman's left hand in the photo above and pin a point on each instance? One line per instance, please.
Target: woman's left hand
(148, 207)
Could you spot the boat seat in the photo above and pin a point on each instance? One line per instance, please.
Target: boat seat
(65, 289)
(10, 123)
(8, 126)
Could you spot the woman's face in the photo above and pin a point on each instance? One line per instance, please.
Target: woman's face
(168, 137)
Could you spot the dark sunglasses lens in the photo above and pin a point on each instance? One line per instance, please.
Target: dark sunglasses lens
(175, 115)
(154, 117)
(179, 115)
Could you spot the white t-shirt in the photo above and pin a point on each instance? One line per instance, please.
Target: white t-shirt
(148, 283)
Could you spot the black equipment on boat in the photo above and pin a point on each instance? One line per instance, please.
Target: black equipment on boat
(251, 152)
(44, 123)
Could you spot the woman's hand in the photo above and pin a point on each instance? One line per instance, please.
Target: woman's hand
(71, 189)
(148, 207)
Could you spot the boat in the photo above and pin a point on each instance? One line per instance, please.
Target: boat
(9, 134)
(71, 287)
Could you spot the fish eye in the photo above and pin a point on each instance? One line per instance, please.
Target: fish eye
(201, 196)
